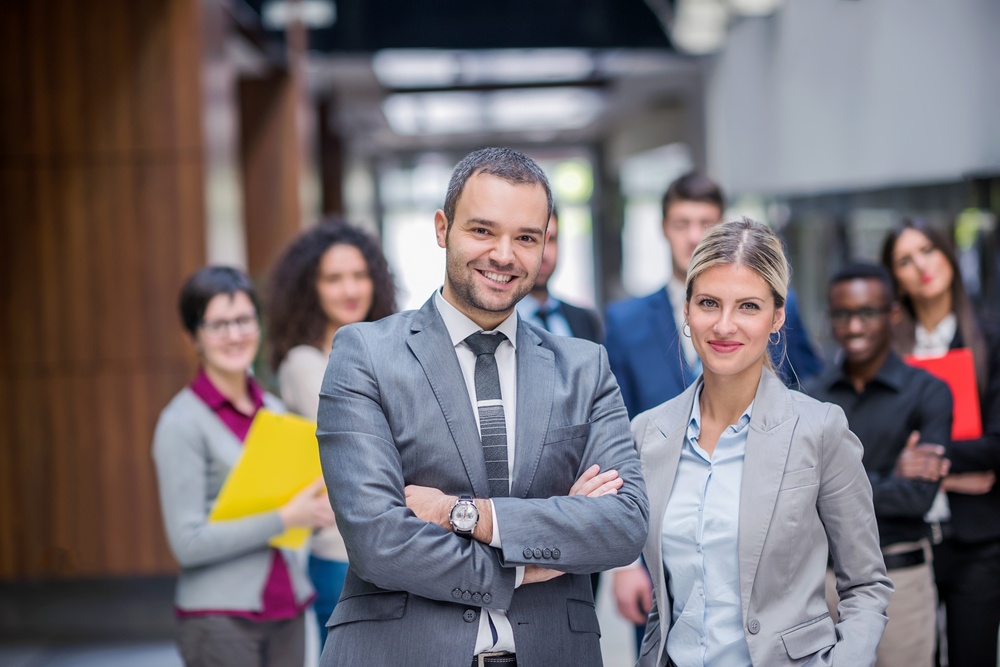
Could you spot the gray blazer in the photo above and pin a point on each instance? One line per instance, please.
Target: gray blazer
(394, 410)
(225, 564)
(803, 485)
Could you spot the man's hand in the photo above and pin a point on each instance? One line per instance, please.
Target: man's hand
(633, 593)
(970, 483)
(309, 508)
(593, 483)
(922, 461)
(429, 504)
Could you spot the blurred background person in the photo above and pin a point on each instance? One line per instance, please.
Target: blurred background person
(331, 275)
(891, 407)
(239, 602)
(937, 317)
(653, 363)
(542, 308)
(752, 486)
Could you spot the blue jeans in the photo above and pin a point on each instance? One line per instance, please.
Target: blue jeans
(327, 578)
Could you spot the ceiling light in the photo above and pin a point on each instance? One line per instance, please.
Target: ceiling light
(277, 14)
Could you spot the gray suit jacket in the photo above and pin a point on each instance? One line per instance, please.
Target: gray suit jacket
(224, 564)
(803, 485)
(394, 410)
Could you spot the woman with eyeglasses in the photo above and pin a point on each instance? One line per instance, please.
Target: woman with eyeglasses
(937, 317)
(331, 275)
(239, 602)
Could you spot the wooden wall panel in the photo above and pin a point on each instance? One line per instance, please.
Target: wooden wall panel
(101, 218)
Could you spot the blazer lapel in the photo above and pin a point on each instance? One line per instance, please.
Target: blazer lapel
(535, 382)
(431, 345)
(771, 428)
(661, 454)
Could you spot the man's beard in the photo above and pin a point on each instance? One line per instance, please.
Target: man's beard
(478, 296)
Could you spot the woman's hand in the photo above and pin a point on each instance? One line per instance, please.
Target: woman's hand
(309, 508)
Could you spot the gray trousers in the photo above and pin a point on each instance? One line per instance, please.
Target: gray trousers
(229, 641)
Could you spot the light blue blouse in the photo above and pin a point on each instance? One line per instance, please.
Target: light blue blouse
(700, 549)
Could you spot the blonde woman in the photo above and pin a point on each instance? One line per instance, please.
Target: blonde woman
(752, 486)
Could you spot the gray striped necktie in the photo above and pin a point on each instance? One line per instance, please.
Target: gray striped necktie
(492, 423)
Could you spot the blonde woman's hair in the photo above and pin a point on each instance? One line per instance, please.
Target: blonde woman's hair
(747, 243)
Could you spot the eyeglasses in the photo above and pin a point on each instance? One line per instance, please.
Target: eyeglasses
(867, 315)
(245, 324)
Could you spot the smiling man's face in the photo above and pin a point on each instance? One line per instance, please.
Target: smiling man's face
(493, 246)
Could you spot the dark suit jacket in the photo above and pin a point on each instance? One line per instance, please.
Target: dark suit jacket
(584, 323)
(977, 518)
(646, 358)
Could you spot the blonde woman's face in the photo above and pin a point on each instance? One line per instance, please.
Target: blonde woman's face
(731, 314)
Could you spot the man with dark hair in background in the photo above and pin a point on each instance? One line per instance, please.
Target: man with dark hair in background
(890, 406)
(541, 308)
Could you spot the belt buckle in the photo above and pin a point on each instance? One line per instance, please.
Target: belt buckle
(481, 658)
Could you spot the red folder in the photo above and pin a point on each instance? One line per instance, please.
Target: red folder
(958, 371)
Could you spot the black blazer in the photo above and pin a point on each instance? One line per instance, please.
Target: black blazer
(582, 322)
(977, 518)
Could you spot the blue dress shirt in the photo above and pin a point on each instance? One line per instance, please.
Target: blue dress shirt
(700, 550)
(529, 306)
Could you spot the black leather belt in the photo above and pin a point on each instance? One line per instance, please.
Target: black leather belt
(905, 559)
(497, 659)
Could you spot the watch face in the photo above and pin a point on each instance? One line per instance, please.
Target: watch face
(464, 516)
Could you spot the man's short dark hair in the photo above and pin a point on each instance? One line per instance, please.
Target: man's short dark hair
(865, 271)
(204, 285)
(506, 163)
(694, 186)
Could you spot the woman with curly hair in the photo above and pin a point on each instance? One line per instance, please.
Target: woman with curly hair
(331, 275)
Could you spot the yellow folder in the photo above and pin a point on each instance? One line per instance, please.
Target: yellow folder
(280, 458)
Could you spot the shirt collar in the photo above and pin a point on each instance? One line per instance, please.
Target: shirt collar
(694, 426)
(460, 327)
(889, 375)
(676, 291)
(529, 305)
(207, 392)
(937, 340)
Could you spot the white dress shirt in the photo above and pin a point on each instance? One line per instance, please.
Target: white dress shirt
(459, 328)
(936, 343)
(700, 534)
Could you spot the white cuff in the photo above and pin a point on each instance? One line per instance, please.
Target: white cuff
(495, 540)
(518, 576)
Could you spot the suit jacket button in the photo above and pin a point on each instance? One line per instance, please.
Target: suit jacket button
(487, 598)
(457, 594)
(527, 552)
(753, 626)
(537, 553)
(469, 615)
(466, 595)
(546, 553)
(556, 553)
(476, 597)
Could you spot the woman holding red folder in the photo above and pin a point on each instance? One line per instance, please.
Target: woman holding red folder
(938, 317)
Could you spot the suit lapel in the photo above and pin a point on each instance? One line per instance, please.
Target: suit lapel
(768, 441)
(535, 382)
(661, 455)
(431, 345)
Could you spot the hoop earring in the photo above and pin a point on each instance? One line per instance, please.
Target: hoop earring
(775, 342)
(686, 329)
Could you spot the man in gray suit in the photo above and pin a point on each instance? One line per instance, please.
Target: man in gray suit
(479, 467)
